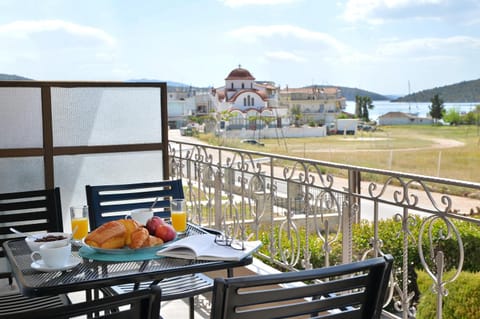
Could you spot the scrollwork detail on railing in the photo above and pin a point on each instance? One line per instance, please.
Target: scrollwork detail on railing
(243, 162)
(434, 265)
(406, 301)
(303, 173)
(398, 195)
(326, 203)
(408, 194)
(290, 253)
(289, 180)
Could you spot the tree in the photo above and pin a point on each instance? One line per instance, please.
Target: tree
(362, 105)
(437, 110)
(296, 114)
(453, 116)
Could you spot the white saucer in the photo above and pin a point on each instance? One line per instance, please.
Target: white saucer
(40, 265)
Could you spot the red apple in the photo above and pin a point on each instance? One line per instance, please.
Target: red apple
(165, 232)
(153, 223)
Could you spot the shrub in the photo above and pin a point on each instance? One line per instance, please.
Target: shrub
(462, 301)
(391, 234)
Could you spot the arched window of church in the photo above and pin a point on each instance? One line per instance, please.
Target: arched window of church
(244, 101)
(249, 100)
(232, 85)
(253, 101)
(243, 85)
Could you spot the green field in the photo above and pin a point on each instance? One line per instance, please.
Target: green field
(441, 151)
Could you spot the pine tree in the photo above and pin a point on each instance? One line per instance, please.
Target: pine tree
(437, 109)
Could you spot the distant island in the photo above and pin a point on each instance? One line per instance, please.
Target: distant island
(463, 92)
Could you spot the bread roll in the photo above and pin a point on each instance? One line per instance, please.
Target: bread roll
(138, 238)
(131, 225)
(110, 235)
(153, 241)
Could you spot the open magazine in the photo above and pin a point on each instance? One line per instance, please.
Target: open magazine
(203, 247)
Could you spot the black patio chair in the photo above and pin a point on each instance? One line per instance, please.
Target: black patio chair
(31, 211)
(110, 202)
(139, 304)
(353, 291)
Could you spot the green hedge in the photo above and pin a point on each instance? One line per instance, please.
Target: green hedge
(462, 301)
(391, 234)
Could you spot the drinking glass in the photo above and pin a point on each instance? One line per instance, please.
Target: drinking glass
(178, 215)
(79, 220)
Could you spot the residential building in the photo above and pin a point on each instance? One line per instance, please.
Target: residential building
(320, 105)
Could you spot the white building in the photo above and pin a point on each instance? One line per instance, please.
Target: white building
(320, 105)
(246, 107)
(246, 103)
(401, 118)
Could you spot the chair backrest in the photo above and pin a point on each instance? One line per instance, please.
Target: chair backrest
(141, 304)
(110, 202)
(356, 289)
(31, 211)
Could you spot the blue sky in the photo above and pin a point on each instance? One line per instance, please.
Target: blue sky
(377, 45)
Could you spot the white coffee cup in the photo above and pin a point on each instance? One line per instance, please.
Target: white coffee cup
(53, 254)
(141, 215)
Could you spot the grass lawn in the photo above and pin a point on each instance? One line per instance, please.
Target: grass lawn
(443, 151)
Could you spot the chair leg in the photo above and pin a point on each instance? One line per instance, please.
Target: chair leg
(191, 301)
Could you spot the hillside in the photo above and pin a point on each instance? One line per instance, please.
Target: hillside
(12, 77)
(350, 93)
(463, 92)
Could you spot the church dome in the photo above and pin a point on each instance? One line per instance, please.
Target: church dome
(240, 74)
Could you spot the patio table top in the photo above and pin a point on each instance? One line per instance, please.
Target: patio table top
(95, 274)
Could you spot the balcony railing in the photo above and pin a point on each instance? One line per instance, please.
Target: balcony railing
(288, 201)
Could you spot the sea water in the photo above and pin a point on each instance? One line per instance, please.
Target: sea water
(419, 109)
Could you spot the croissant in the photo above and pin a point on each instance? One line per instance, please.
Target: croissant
(152, 241)
(138, 238)
(131, 226)
(120, 233)
(110, 235)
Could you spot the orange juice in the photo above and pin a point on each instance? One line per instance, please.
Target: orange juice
(82, 224)
(179, 220)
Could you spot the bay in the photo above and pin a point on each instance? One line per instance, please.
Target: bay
(420, 109)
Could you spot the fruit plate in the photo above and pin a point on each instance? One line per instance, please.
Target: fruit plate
(125, 250)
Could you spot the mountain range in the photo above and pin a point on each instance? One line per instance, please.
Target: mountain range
(466, 91)
(12, 77)
(463, 92)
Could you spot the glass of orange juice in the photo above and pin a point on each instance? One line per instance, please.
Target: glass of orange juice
(178, 215)
(79, 220)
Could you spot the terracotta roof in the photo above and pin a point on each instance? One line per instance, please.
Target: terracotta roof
(240, 74)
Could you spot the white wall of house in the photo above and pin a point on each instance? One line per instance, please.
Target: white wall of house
(399, 118)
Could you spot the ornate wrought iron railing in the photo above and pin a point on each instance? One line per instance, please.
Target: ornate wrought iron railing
(289, 201)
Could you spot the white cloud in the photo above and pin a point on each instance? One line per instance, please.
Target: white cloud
(377, 11)
(241, 3)
(24, 29)
(429, 46)
(285, 56)
(253, 33)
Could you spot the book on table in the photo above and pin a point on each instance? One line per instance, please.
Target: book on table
(204, 247)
